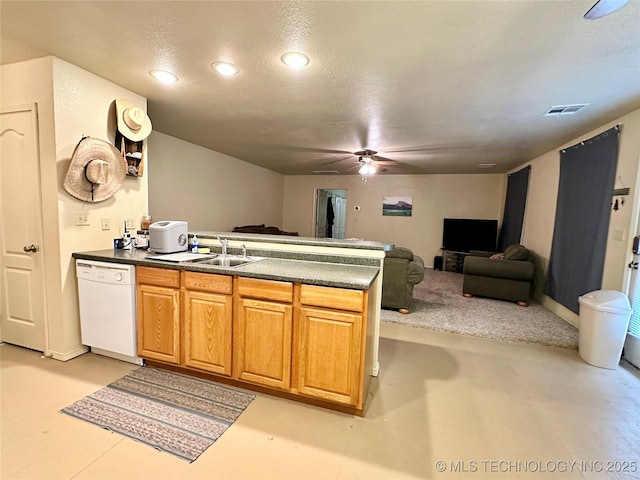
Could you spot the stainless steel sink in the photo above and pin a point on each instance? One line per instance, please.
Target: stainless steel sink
(228, 261)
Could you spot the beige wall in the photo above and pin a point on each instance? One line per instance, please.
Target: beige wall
(541, 207)
(84, 105)
(209, 190)
(71, 102)
(434, 198)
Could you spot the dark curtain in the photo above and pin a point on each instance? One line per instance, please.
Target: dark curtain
(516, 200)
(587, 177)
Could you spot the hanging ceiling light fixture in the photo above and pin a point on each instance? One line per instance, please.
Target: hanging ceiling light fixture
(368, 167)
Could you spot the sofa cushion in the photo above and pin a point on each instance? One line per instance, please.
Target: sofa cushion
(400, 252)
(516, 252)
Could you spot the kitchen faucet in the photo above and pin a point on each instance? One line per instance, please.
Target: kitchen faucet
(224, 243)
(244, 251)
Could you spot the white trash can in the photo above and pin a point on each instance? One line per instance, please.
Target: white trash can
(604, 320)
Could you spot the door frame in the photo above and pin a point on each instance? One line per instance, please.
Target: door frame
(316, 206)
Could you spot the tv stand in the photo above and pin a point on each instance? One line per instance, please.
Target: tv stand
(453, 261)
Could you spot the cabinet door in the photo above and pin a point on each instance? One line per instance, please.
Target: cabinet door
(330, 354)
(158, 323)
(207, 331)
(263, 343)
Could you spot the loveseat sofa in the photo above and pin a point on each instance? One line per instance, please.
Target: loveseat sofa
(505, 276)
(402, 270)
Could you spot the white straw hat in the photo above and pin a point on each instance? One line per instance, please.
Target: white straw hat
(133, 122)
(96, 171)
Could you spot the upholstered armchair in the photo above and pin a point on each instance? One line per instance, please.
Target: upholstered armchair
(505, 276)
(402, 270)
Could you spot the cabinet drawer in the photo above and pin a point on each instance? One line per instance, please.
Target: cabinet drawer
(265, 289)
(332, 297)
(208, 282)
(158, 276)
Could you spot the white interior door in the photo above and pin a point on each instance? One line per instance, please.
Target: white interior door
(22, 300)
(340, 208)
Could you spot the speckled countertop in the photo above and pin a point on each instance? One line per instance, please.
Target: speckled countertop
(358, 277)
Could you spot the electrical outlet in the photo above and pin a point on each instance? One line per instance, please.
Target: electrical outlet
(106, 223)
(82, 218)
(128, 222)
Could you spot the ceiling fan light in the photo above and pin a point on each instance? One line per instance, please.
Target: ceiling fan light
(367, 169)
(604, 7)
(224, 68)
(295, 59)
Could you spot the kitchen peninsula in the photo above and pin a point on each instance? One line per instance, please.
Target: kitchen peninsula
(302, 322)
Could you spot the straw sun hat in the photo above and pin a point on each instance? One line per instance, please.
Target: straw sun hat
(133, 122)
(96, 171)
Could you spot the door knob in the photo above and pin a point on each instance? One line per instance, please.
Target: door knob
(31, 248)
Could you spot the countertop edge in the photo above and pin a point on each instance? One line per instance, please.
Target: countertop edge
(355, 277)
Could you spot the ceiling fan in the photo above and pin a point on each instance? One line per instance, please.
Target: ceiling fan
(367, 163)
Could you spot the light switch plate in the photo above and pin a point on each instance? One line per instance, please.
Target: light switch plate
(106, 223)
(128, 221)
(82, 218)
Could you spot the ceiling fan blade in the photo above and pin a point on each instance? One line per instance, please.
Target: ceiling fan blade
(385, 161)
(314, 150)
(431, 149)
(339, 160)
(352, 167)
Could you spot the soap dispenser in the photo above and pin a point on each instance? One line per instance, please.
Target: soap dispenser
(194, 244)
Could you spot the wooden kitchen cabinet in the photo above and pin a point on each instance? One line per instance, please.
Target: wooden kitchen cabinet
(305, 342)
(158, 312)
(331, 344)
(263, 328)
(207, 328)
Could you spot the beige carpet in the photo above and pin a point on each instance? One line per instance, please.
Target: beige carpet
(439, 305)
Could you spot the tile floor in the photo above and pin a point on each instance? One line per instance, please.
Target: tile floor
(486, 409)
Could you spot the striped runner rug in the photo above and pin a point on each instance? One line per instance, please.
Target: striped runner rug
(175, 413)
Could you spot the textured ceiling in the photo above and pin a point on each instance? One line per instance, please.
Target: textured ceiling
(439, 86)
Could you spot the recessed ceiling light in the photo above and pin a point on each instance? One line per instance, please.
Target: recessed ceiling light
(225, 68)
(295, 59)
(163, 76)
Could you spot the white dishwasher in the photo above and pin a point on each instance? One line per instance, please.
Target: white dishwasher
(107, 297)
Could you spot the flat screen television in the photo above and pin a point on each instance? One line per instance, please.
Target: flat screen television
(465, 234)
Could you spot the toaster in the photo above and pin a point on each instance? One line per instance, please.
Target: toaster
(168, 236)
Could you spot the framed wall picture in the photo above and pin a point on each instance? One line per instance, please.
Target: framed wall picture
(397, 206)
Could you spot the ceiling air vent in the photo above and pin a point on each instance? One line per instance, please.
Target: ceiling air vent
(564, 109)
(328, 172)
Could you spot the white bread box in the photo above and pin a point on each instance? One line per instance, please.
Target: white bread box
(168, 236)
